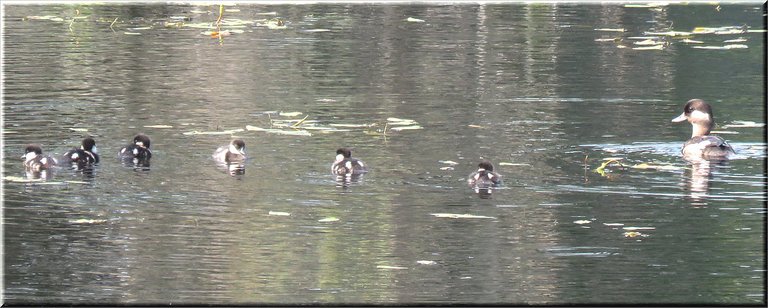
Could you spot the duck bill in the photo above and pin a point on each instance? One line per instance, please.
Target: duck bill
(680, 118)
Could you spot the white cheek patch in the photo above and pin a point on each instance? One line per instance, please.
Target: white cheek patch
(95, 149)
(339, 157)
(30, 156)
(139, 143)
(699, 116)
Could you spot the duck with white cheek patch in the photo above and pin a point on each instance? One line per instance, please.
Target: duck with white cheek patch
(138, 152)
(234, 153)
(37, 165)
(86, 154)
(346, 165)
(35, 161)
(484, 177)
(702, 144)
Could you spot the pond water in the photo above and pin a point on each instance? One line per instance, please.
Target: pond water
(544, 91)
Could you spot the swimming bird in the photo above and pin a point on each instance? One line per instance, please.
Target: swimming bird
(346, 165)
(702, 144)
(484, 177)
(86, 154)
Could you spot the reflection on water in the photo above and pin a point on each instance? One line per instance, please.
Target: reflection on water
(533, 86)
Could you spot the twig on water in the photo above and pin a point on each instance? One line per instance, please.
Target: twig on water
(113, 23)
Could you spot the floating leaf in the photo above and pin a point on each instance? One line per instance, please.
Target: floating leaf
(158, 126)
(744, 124)
(638, 228)
(513, 164)
(726, 47)
(656, 167)
(634, 234)
(654, 47)
(411, 127)
(290, 114)
(87, 221)
(450, 215)
(736, 40)
(648, 42)
(18, 179)
(411, 19)
(426, 262)
(352, 125)
(690, 41)
(279, 131)
(328, 219)
(225, 132)
(399, 121)
(274, 213)
(611, 29)
(670, 33)
(315, 30)
(391, 267)
(46, 17)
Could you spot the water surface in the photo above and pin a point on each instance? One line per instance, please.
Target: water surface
(533, 88)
